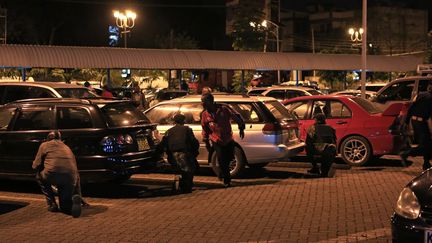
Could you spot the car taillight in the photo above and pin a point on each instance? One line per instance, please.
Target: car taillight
(116, 143)
(272, 129)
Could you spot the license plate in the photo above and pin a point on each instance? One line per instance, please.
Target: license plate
(428, 236)
(143, 144)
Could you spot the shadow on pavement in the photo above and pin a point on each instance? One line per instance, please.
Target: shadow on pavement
(9, 206)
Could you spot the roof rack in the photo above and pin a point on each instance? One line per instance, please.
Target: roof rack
(424, 69)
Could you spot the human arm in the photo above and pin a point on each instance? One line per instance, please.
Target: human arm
(205, 129)
(39, 159)
(239, 120)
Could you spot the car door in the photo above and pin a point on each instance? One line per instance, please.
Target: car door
(6, 118)
(21, 142)
(163, 115)
(338, 115)
(301, 110)
(192, 112)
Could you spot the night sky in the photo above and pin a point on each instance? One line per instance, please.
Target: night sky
(85, 22)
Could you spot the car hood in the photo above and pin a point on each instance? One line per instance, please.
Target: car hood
(422, 187)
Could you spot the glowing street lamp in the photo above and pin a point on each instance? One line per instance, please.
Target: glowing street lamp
(126, 21)
(356, 35)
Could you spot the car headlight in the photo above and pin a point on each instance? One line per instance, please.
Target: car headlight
(407, 204)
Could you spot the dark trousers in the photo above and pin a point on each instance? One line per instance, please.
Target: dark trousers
(423, 137)
(326, 155)
(225, 154)
(186, 164)
(66, 185)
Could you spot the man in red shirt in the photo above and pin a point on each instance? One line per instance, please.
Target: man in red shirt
(216, 124)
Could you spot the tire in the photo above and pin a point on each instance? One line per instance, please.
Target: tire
(356, 151)
(237, 165)
(258, 166)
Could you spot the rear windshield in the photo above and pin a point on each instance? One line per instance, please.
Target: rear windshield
(256, 92)
(123, 115)
(170, 95)
(366, 104)
(279, 111)
(314, 92)
(76, 93)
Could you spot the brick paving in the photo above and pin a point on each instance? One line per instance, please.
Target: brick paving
(280, 204)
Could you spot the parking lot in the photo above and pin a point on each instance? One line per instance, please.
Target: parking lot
(280, 203)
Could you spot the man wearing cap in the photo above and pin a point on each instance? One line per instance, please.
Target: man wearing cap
(321, 143)
(55, 164)
(182, 147)
(216, 124)
(418, 114)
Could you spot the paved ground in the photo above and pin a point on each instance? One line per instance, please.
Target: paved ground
(278, 204)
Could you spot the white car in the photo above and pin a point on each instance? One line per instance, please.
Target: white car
(271, 132)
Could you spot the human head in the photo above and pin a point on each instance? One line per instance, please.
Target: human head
(206, 90)
(207, 100)
(87, 84)
(54, 135)
(179, 119)
(320, 118)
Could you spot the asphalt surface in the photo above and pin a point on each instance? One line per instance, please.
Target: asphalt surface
(280, 203)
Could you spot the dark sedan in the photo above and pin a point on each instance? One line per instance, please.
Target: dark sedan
(110, 139)
(412, 219)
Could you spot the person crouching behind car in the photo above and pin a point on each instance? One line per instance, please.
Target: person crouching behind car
(182, 148)
(321, 143)
(55, 165)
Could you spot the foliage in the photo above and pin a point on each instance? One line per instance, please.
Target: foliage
(244, 36)
(237, 80)
(428, 57)
(330, 76)
(10, 72)
(176, 41)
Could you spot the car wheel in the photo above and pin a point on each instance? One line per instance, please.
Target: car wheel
(258, 166)
(236, 166)
(355, 151)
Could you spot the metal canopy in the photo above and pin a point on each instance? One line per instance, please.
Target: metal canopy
(109, 57)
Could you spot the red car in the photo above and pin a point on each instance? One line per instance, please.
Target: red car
(362, 130)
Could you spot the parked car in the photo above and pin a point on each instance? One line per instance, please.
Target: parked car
(110, 139)
(401, 90)
(362, 130)
(11, 91)
(270, 134)
(288, 92)
(167, 94)
(256, 91)
(354, 92)
(412, 217)
(374, 87)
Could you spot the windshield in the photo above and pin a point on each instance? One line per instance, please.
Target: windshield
(76, 93)
(279, 111)
(256, 92)
(366, 104)
(123, 115)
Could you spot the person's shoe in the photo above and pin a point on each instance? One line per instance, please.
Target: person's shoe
(84, 204)
(53, 208)
(426, 166)
(404, 158)
(76, 206)
(227, 184)
(314, 170)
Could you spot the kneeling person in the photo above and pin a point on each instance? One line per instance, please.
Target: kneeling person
(182, 147)
(321, 143)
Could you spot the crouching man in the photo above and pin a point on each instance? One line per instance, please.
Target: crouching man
(182, 148)
(321, 145)
(55, 165)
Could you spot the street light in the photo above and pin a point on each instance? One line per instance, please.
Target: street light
(356, 35)
(264, 24)
(125, 21)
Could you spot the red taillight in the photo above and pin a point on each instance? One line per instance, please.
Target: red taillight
(272, 129)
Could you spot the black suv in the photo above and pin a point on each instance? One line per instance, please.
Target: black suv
(110, 139)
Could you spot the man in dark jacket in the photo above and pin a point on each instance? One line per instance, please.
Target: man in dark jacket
(182, 148)
(321, 143)
(419, 113)
(55, 165)
(216, 124)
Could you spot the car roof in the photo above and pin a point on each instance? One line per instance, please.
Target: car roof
(96, 101)
(290, 87)
(316, 97)
(221, 98)
(352, 91)
(54, 85)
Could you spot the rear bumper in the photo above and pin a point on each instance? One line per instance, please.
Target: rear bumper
(291, 150)
(99, 168)
(386, 144)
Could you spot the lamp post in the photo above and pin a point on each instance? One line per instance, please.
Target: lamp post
(125, 21)
(276, 33)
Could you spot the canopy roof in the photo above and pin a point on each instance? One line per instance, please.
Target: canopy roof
(109, 57)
